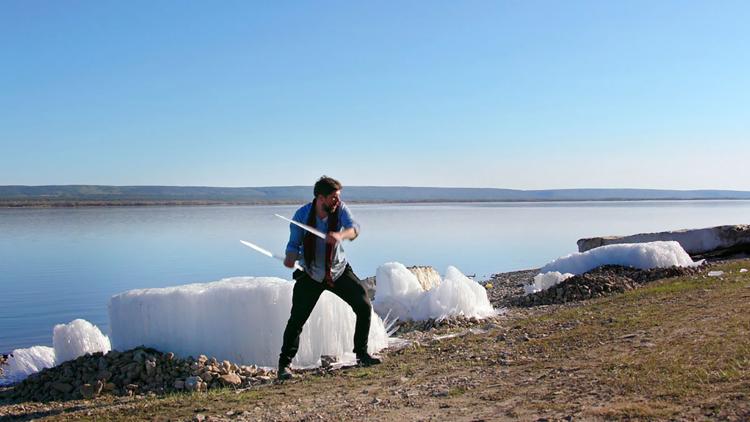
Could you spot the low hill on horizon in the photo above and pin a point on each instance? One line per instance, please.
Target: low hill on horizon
(18, 195)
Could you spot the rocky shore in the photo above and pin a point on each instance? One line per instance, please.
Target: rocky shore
(138, 371)
(602, 281)
(505, 291)
(144, 371)
(484, 363)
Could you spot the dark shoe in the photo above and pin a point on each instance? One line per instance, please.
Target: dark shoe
(285, 373)
(366, 360)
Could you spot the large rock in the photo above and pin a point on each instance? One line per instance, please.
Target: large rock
(369, 285)
(428, 277)
(193, 383)
(231, 379)
(711, 241)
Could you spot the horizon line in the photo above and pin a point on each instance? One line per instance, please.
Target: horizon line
(378, 186)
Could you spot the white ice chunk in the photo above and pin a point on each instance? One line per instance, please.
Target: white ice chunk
(76, 339)
(399, 293)
(455, 295)
(645, 256)
(715, 273)
(25, 362)
(69, 340)
(241, 319)
(544, 281)
(638, 255)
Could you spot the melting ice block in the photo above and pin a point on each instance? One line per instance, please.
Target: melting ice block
(639, 255)
(69, 340)
(25, 362)
(645, 256)
(400, 294)
(241, 319)
(76, 339)
(397, 291)
(544, 281)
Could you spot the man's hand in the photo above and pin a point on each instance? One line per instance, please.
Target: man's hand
(336, 237)
(291, 257)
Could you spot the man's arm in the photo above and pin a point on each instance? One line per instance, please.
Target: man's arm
(350, 227)
(295, 239)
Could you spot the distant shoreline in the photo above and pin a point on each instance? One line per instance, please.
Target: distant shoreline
(73, 196)
(15, 204)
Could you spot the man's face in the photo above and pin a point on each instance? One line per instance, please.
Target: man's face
(331, 201)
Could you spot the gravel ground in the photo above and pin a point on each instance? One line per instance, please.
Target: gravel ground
(506, 287)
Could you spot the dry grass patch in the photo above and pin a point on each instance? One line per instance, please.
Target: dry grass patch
(677, 342)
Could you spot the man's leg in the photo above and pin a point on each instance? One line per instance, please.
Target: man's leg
(349, 288)
(304, 297)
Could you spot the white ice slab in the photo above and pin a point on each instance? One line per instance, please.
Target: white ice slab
(639, 255)
(241, 319)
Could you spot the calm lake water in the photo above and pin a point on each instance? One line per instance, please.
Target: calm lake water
(57, 265)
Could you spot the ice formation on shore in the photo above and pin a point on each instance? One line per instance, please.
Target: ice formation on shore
(694, 241)
(241, 319)
(544, 281)
(399, 294)
(645, 256)
(76, 339)
(69, 340)
(24, 362)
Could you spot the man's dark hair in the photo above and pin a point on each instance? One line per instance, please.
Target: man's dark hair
(326, 186)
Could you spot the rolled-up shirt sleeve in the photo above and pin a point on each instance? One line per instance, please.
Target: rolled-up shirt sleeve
(296, 233)
(347, 220)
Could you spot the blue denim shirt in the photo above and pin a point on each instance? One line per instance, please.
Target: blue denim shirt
(317, 269)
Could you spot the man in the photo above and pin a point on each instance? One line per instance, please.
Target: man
(325, 268)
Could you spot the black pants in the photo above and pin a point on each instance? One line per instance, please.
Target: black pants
(304, 297)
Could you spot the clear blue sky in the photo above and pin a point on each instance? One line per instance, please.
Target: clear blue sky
(510, 94)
